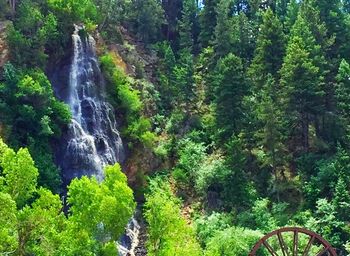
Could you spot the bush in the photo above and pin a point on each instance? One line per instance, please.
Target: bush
(233, 242)
(208, 226)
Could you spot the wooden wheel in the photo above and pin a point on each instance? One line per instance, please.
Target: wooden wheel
(292, 241)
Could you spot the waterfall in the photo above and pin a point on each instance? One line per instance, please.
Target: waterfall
(92, 140)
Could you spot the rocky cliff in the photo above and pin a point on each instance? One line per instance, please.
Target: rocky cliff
(4, 50)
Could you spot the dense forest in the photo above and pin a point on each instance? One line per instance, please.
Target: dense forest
(234, 116)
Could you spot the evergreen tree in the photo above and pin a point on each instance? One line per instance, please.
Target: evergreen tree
(342, 94)
(189, 11)
(291, 16)
(230, 90)
(341, 200)
(270, 48)
(149, 17)
(282, 9)
(270, 147)
(208, 19)
(223, 29)
(301, 83)
(184, 70)
(172, 9)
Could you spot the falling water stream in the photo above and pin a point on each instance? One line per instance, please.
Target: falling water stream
(92, 140)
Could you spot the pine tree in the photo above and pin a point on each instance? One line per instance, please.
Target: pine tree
(301, 83)
(230, 90)
(341, 200)
(269, 51)
(208, 19)
(223, 29)
(245, 37)
(342, 95)
(183, 71)
(270, 148)
(291, 16)
(149, 16)
(281, 9)
(186, 23)
(172, 10)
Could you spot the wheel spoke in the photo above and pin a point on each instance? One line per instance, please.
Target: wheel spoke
(295, 244)
(308, 246)
(269, 248)
(283, 245)
(291, 248)
(326, 249)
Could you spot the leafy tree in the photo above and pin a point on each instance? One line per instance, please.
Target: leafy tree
(8, 224)
(40, 225)
(169, 234)
(34, 117)
(191, 155)
(19, 174)
(321, 182)
(82, 11)
(110, 203)
(33, 32)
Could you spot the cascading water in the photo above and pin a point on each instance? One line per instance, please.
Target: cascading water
(92, 140)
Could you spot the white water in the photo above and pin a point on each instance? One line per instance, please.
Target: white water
(93, 139)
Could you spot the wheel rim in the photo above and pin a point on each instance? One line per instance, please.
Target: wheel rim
(293, 248)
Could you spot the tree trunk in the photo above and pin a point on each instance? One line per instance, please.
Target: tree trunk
(305, 131)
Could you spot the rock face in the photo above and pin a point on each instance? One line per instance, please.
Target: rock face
(4, 50)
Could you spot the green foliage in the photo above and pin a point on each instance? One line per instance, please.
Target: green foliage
(325, 178)
(260, 216)
(32, 33)
(326, 223)
(208, 19)
(208, 226)
(233, 241)
(148, 17)
(342, 100)
(8, 224)
(75, 11)
(301, 81)
(34, 116)
(19, 174)
(269, 50)
(38, 226)
(231, 87)
(169, 234)
(110, 203)
(125, 97)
